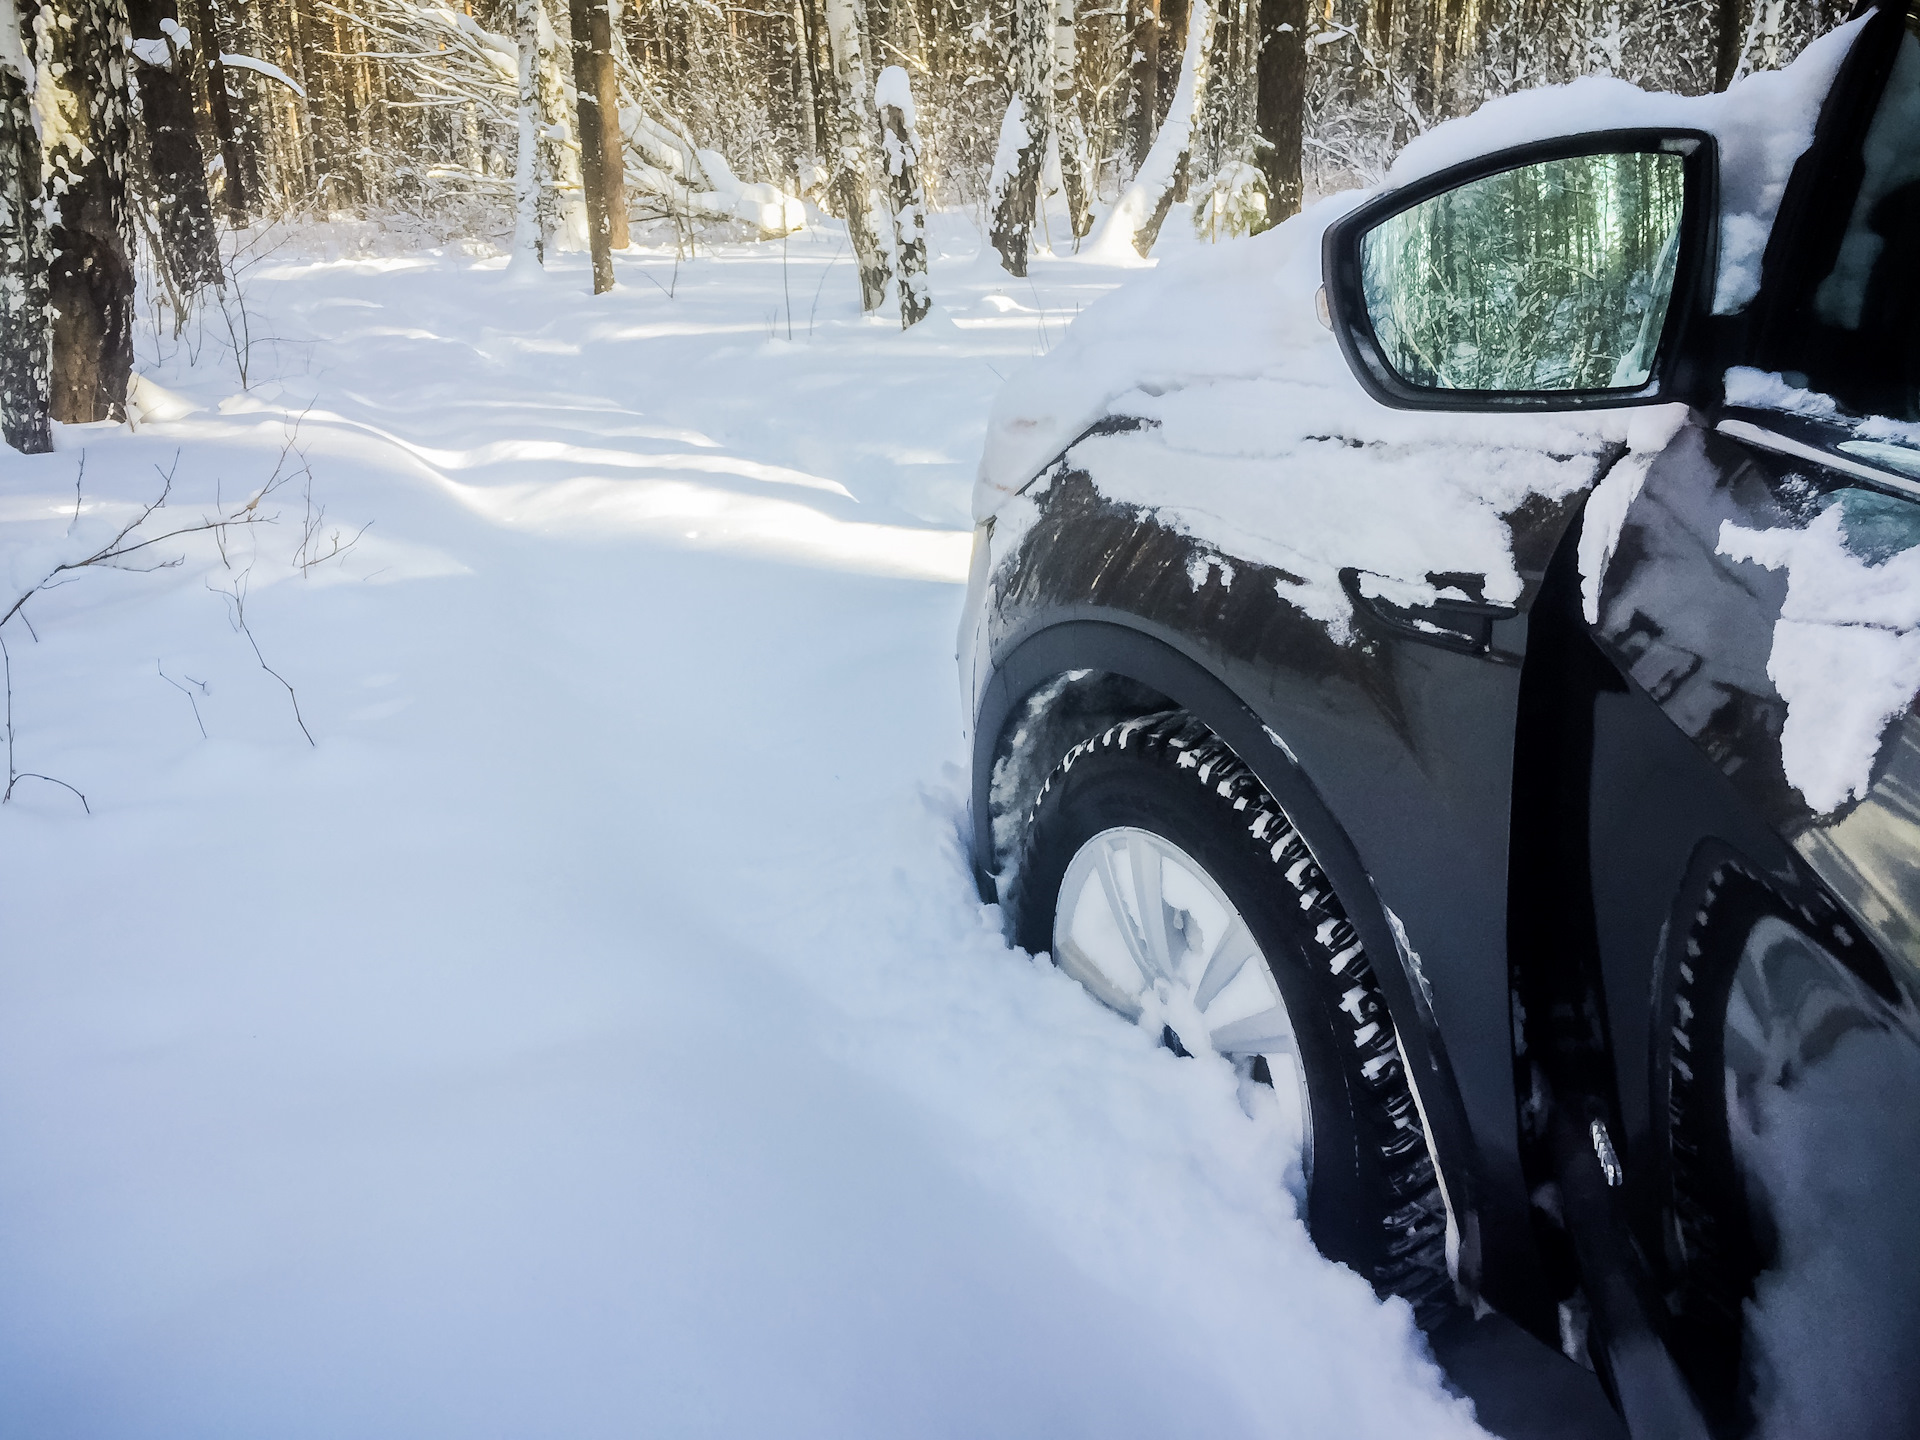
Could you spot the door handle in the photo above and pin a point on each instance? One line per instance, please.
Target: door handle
(1457, 624)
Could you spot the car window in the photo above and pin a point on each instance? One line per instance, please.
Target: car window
(1871, 295)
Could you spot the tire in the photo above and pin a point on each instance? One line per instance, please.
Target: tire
(1373, 1199)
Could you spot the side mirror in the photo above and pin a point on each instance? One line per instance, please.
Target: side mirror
(1553, 276)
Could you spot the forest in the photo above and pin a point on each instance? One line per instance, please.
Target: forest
(143, 143)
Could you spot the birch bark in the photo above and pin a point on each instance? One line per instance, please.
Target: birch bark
(25, 248)
(1013, 189)
(168, 54)
(900, 154)
(852, 165)
(1142, 209)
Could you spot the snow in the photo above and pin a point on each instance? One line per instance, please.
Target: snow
(1846, 648)
(894, 91)
(595, 1032)
(266, 68)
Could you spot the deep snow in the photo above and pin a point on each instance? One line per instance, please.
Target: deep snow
(595, 1032)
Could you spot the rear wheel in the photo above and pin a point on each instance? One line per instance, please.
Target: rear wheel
(1159, 872)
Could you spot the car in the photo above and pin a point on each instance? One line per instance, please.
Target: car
(1454, 656)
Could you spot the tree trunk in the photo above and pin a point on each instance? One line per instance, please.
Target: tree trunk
(1173, 49)
(1142, 209)
(25, 249)
(1070, 134)
(602, 150)
(529, 188)
(1013, 190)
(1145, 115)
(189, 242)
(853, 149)
(900, 153)
(85, 140)
(563, 204)
(232, 113)
(1280, 102)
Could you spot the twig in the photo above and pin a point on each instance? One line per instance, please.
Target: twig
(14, 777)
(821, 286)
(189, 694)
(238, 595)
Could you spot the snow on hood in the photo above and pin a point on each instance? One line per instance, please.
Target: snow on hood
(1238, 319)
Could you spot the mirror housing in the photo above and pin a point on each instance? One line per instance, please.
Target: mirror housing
(1694, 246)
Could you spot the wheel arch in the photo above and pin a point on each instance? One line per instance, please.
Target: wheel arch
(1160, 671)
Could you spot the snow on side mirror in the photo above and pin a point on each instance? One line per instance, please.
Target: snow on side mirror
(1554, 276)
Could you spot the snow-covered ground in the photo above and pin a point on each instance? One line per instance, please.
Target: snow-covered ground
(594, 1032)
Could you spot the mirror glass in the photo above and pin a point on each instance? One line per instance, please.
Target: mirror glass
(1553, 276)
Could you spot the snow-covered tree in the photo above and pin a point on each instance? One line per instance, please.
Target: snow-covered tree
(25, 249)
(1142, 208)
(1013, 188)
(850, 126)
(900, 156)
(80, 50)
(1281, 102)
(1070, 133)
(174, 171)
(529, 178)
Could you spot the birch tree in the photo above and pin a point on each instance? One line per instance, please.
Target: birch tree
(25, 249)
(852, 159)
(530, 182)
(1013, 188)
(900, 152)
(80, 52)
(1143, 206)
(1070, 133)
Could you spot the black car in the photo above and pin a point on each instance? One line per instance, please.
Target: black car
(1568, 902)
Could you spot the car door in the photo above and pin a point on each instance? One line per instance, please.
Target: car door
(1754, 806)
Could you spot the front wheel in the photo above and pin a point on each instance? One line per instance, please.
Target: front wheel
(1160, 874)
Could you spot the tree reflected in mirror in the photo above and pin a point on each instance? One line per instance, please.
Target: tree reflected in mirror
(1554, 276)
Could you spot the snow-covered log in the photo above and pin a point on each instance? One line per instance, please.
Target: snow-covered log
(24, 253)
(1013, 189)
(665, 162)
(900, 158)
(1142, 208)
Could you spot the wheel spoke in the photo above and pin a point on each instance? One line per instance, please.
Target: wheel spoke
(1143, 856)
(1230, 955)
(1123, 917)
(1268, 1033)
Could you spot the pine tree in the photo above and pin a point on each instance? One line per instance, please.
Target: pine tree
(602, 151)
